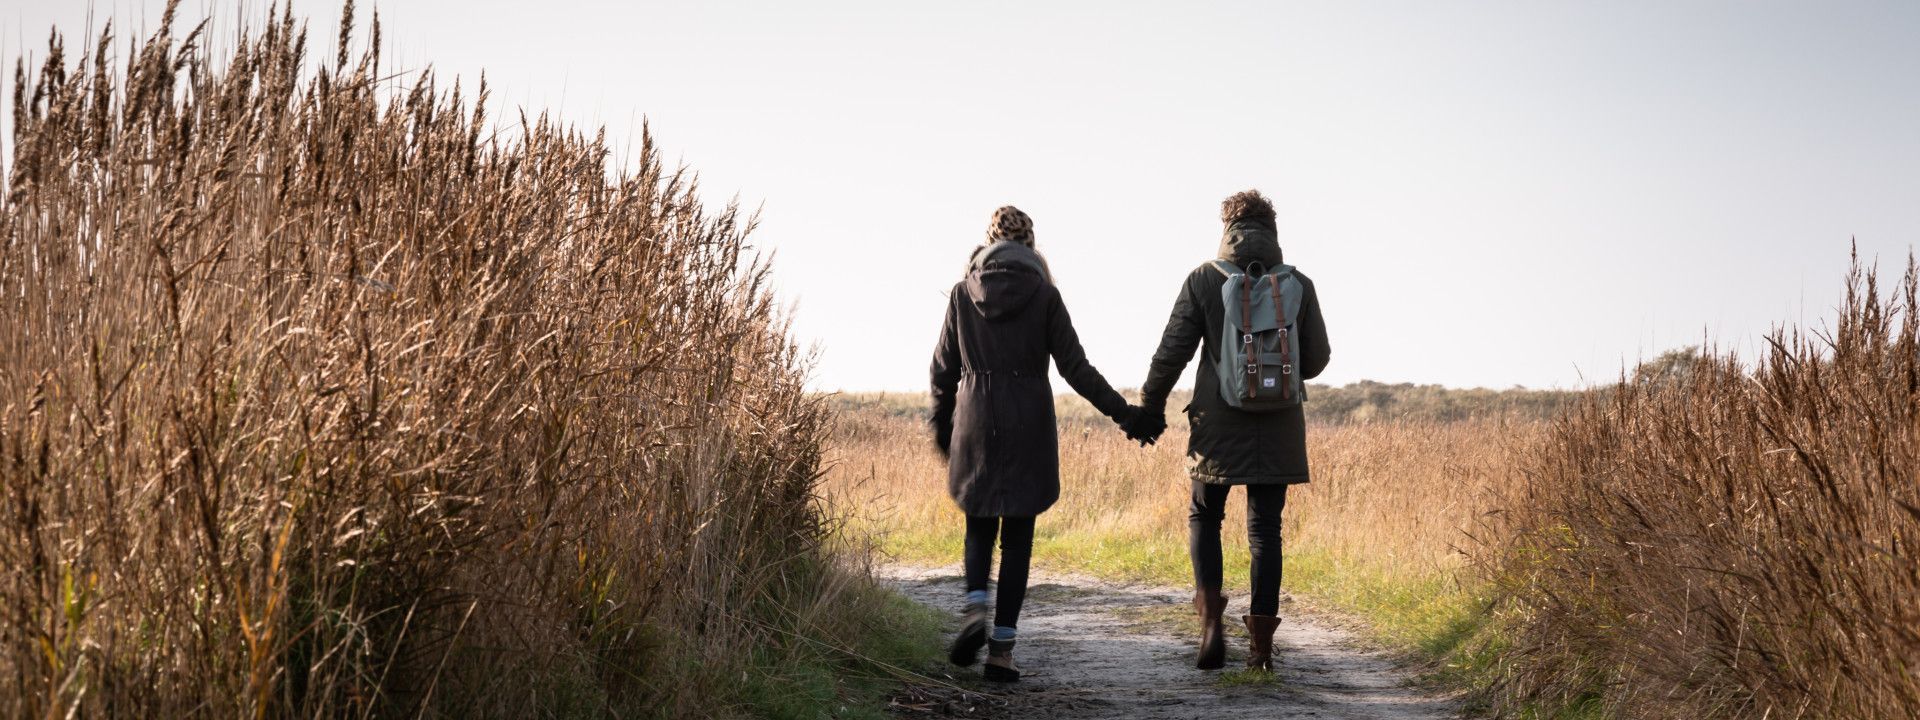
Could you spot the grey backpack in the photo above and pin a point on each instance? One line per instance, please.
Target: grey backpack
(1258, 345)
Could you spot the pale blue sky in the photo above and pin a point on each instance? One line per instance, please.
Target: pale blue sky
(1486, 194)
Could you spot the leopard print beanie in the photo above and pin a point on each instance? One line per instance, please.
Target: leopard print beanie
(1010, 225)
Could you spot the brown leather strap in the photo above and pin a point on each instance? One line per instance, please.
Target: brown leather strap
(1246, 333)
(1286, 345)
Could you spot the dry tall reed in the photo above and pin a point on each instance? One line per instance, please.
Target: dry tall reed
(316, 401)
(1732, 541)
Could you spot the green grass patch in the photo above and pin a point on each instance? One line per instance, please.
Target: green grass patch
(1432, 614)
(1247, 677)
(1131, 560)
(815, 678)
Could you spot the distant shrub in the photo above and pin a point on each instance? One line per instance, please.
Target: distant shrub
(1369, 401)
(1362, 402)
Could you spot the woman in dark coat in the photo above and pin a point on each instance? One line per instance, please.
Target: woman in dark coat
(993, 419)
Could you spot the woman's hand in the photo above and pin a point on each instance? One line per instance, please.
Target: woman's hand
(1143, 425)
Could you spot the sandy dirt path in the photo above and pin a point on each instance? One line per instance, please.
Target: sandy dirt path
(1094, 649)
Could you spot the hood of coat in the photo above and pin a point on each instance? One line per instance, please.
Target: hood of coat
(1005, 280)
(1247, 241)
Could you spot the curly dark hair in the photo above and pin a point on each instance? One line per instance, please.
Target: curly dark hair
(1247, 205)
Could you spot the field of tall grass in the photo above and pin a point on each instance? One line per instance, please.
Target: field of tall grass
(1737, 540)
(323, 399)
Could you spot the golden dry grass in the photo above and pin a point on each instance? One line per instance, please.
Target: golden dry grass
(1732, 540)
(321, 401)
(1378, 529)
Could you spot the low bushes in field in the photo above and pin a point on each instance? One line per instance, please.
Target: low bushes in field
(1733, 540)
(1369, 401)
(1359, 403)
(321, 400)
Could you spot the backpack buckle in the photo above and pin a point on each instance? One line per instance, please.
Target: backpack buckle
(1286, 369)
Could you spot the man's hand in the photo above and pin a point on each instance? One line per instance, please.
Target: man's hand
(1144, 425)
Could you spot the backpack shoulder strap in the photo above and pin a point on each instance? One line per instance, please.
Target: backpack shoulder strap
(1226, 268)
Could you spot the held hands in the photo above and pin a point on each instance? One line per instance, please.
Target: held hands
(1144, 425)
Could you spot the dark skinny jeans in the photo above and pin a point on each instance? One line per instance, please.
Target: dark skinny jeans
(1264, 503)
(1016, 552)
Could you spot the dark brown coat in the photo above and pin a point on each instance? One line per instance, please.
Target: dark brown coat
(991, 393)
(1229, 446)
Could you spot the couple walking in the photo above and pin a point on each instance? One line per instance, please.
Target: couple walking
(1257, 323)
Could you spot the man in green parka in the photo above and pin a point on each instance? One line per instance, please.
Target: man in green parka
(1265, 452)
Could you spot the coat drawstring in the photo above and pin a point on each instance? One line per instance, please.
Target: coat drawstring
(993, 418)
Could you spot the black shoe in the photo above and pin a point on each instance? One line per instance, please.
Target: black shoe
(1000, 667)
(973, 634)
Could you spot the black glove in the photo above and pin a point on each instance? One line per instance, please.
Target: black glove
(943, 438)
(1144, 425)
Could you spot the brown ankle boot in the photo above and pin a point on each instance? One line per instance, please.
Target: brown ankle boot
(1260, 640)
(1000, 667)
(1213, 638)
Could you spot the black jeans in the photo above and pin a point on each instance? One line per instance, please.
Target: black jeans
(1264, 503)
(1016, 552)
